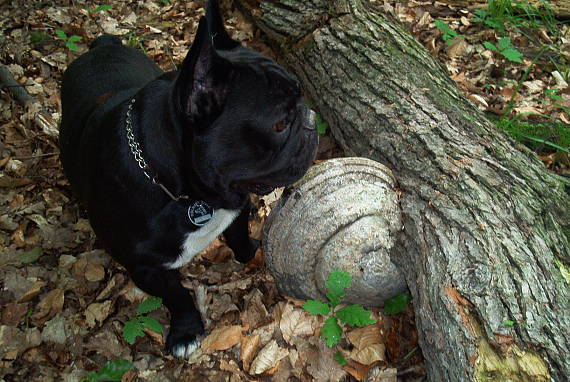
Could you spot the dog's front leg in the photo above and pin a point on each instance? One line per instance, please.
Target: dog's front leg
(185, 323)
(237, 236)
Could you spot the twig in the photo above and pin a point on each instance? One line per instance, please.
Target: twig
(17, 90)
(37, 156)
(41, 117)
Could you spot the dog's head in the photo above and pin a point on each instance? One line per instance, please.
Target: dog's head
(248, 129)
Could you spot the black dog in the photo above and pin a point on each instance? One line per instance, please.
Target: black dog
(164, 162)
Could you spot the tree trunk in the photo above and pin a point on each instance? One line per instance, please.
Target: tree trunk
(561, 8)
(486, 233)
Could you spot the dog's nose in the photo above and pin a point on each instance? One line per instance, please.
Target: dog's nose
(309, 119)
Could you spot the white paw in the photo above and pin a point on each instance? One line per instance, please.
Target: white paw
(185, 351)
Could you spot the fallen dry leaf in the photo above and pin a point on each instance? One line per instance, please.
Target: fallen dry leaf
(33, 291)
(249, 346)
(222, 339)
(14, 341)
(368, 345)
(322, 365)
(254, 314)
(13, 313)
(94, 272)
(268, 358)
(50, 305)
(357, 370)
(97, 313)
(296, 323)
(377, 374)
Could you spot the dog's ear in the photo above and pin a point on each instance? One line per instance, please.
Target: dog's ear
(220, 37)
(201, 85)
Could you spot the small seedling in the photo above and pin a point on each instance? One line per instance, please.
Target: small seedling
(505, 48)
(553, 136)
(135, 326)
(397, 304)
(509, 323)
(322, 126)
(102, 7)
(112, 371)
(38, 37)
(553, 94)
(448, 34)
(30, 256)
(69, 41)
(354, 315)
(136, 42)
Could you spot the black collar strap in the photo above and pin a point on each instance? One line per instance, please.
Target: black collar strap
(199, 212)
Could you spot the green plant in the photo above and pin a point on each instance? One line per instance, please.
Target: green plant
(112, 371)
(31, 256)
(322, 126)
(505, 48)
(69, 41)
(353, 315)
(135, 326)
(102, 7)
(136, 42)
(501, 15)
(448, 33)
(397, 304)
(554, 136)
(38, 37)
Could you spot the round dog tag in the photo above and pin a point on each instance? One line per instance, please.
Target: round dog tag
(200, 213)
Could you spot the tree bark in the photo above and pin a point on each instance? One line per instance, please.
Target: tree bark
(486, 232)
(561, 8)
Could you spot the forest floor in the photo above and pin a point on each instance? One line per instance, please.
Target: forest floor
(64, 302)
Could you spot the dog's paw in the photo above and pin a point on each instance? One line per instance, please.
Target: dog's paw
(185, 335)
(182, 346)
(247, 254)
(185, 350)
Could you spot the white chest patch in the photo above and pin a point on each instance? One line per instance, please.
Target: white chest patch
(196, 241)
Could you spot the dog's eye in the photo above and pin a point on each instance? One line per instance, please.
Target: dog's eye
(279, 127)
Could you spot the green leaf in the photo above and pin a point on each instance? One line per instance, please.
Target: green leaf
(316, 307)
(150, 304)
(552, 94)
(103, 7)
(340, 358)
(512, 54)
(31, 256)
(442, 26)
(71, 46)
(322, 126)
(61, 34)
(397, 304)
(490, 46)
(74, 38)
(509, 323)
(355, 315)
(336, 283)
(112, 371)
(132, 329)
(504, 43)
(37, 37)
(331, 331)
(151, 323)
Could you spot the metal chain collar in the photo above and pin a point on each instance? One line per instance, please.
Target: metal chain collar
(137, 153)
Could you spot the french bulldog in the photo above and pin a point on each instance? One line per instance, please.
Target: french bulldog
(164, 162)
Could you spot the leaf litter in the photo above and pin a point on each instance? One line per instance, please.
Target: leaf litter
(64, 302)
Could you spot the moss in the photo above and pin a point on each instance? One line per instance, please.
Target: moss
(512, 365)
(564, 270)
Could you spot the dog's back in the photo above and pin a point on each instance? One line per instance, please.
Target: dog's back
(103, 77)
